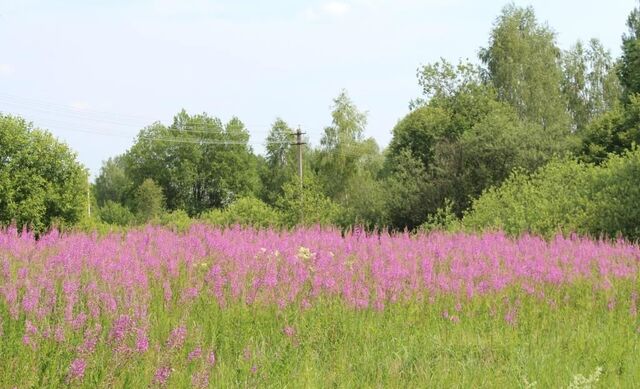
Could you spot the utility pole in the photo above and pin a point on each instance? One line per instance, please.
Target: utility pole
(89, 200)
(299, 143)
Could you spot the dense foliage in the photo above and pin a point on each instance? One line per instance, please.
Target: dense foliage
(41, 182)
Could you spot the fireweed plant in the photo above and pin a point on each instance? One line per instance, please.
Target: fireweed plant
(314, 308)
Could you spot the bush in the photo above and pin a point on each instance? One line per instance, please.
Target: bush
(565, 196)
(117, 214)
(177, 220)
(246, 211)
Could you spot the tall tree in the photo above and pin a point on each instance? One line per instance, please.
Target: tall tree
(113, 184)
(341, 146)
(590, 82)
(523, 63)
(629, 70)
(198, 161)
(41, 181)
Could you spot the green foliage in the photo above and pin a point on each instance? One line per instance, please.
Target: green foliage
(342, 146)
(615, 206)
(113, 184)
(307, 205)
(613, 132)
(553, 199)
(523, 64)
(245, 211)
(444, 219)
(115, 213)
(590, 83)
(281, 162)
(629, 69)
(567, 196)
(199, 162)
(408, 192)
(41, 182)
(148, 201)
(177, 220)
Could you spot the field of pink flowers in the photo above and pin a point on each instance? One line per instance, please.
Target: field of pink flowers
(313, 307)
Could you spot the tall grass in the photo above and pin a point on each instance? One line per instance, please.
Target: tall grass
(311, 308)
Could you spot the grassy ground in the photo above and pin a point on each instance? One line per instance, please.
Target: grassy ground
(329, 345)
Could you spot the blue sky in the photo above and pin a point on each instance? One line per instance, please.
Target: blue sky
(95, 72)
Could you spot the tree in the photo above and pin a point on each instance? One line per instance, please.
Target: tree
(41, 181)
(613, 132)
(199, 162)
(629, 70)
(590, 83)
(148, 201)
(523, 64)
(113, 184)
(307, 205)
(341, 146)
(280, 165)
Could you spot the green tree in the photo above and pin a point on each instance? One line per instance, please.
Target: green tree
(281, 161)
(115, 213)
(590, 83)
(523, 64)
(629, 69)
(307, 205)
(199, 162)
(613, 132)
(41, 181)
(113, 184)
(341, 146)
(148, 201)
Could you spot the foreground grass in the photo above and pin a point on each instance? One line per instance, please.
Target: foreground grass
(329, 345)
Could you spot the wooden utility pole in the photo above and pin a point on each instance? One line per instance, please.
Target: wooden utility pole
(299, 143)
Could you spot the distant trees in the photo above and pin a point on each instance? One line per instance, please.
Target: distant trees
(523, 63)
(531, 138)
(41, 182)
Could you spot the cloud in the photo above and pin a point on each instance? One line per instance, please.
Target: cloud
(6, 69)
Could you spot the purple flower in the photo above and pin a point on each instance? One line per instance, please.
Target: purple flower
(177, 337)
(211, 359)
(162, 375)
(76, 369)
(196, 353)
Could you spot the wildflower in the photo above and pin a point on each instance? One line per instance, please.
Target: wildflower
(142, 342)
(76, 369)
(120, 328)
(211, 359)
(162, 375)
(177, 337)
(200, 379)
(289, 331)
(195, 354)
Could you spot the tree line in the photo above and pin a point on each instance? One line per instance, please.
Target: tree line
(528, 138)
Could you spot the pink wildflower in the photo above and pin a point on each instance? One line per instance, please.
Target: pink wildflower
(76, 369)
(177, 337)
(162, 375)
(195, 354)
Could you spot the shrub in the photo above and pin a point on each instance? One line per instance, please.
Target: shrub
(246, 211)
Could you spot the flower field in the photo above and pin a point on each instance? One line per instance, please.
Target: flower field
(315, 308)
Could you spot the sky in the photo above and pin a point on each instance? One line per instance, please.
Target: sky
(96, 72)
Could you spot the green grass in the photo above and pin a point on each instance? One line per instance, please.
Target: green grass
(408, 344)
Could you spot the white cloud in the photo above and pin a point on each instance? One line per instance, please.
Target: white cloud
(6, 69)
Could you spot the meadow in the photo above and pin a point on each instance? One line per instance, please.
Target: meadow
(314, 307)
